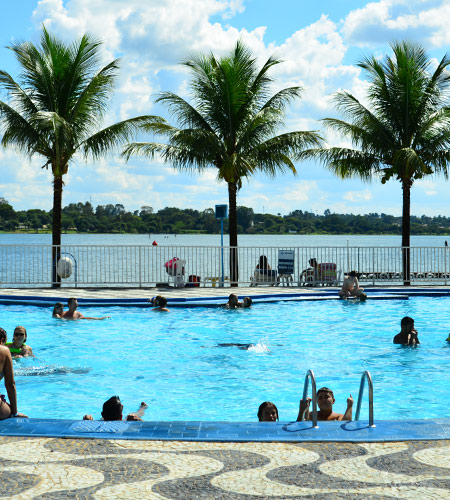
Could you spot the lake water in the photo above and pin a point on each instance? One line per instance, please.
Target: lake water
(285, 240)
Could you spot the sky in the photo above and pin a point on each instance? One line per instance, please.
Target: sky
(320, 44)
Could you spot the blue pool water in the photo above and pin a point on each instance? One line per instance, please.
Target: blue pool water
(173, 361)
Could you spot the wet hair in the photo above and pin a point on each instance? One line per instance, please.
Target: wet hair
(247, 301)
(325, 389)
(112, 409)
(313, 262)
(162, 301)
(154, 301)
(233, 296)
(263, 406)
(22, 329)
(406, 321)
(353, 274)
(58, 305)
(71, 300)
(3, 336)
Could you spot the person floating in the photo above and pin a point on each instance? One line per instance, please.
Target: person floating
(17, 347)
(113, 410)
(7, 410)
(72, 313)
(408, 334)
(325, 402)
(351, 288)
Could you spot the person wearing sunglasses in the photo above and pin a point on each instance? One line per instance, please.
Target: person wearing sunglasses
(17, 347)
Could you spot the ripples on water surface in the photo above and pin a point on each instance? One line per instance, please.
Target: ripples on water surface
(173, 361)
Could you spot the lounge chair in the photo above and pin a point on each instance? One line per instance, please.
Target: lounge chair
(327, 275)
(264, 277)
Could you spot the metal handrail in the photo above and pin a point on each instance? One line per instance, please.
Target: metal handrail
(364, 376)
(310, 374)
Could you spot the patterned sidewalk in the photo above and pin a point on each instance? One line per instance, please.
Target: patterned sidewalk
(46, 468)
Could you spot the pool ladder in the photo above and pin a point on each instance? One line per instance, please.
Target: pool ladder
(365, 376)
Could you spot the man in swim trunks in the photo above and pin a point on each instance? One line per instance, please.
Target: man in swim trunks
(7, 373)
(17, 347)
(72, 313)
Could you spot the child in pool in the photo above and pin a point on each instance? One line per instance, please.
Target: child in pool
(162, 303)
(267, 412)
(325, 402)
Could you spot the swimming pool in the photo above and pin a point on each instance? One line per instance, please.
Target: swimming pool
(173, 361)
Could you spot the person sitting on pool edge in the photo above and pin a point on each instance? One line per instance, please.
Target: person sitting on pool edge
(3, 336)
(162, 303)
(113, 410)
(408, 334)
(72, 313)
(351, 288)
(17, 347)
(267, 412)
(58, 310)
(325, 402)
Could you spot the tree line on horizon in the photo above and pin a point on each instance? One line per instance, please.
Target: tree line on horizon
(114, 218)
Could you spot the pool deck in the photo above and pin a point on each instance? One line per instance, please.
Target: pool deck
(56, 459)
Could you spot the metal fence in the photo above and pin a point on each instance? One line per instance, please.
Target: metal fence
(144, 266)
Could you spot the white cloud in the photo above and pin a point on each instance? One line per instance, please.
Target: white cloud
(419, 20)
(358, 196)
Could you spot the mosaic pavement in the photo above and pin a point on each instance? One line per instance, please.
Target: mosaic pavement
(51, 469)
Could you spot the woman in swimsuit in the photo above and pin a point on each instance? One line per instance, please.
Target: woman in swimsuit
(7, 373)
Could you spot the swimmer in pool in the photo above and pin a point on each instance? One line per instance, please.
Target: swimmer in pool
(267, 412)
(113, 410)
(154, 301)
(72, 313)
(233, 302)
(58, 310)
(325, 402)
(408, 334)
(246, 303)
(17, 347)
(162, 303)
(244, 347)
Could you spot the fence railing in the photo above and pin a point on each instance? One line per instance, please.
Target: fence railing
(144, 266)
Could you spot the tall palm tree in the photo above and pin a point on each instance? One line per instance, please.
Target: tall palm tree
(404, 132)
(56, 109)
(229, 126)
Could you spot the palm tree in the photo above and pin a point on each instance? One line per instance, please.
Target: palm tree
(56, 110)
(404, 132)
(229, 126)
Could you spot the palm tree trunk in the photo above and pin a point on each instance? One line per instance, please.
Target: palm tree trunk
(56, 228)
(406, 232)
(232, 223)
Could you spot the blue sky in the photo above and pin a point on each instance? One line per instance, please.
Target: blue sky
(320, 43)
